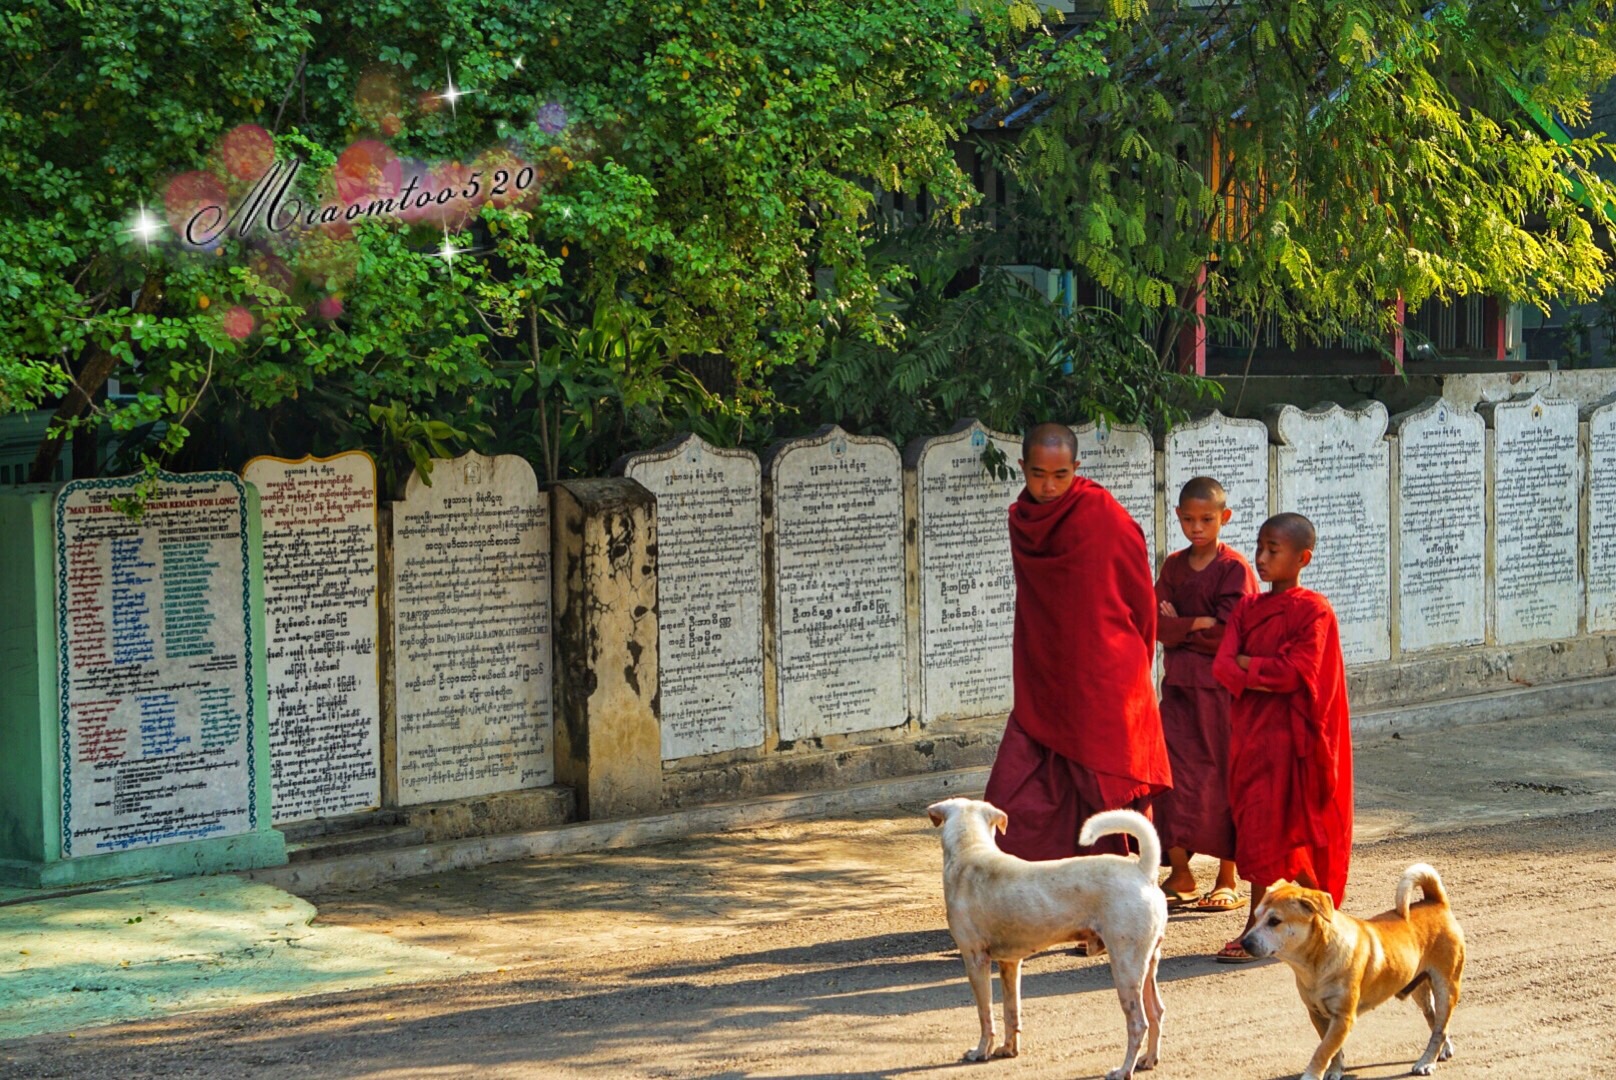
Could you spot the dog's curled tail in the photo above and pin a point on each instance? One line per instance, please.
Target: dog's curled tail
(1135, 825)
(1426, 878)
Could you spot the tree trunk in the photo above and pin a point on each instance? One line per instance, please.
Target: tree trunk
(93, 373)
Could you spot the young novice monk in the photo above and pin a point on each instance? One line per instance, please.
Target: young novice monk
(1197, 591)
(1290, 747)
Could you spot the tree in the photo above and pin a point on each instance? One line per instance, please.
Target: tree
(692, 162)
(1323, 157)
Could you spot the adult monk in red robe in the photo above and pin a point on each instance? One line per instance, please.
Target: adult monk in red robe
(1290, 749)
(1084, 733)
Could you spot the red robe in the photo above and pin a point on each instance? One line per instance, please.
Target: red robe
(1290, 753)
(1195, 815)
(1084, 733)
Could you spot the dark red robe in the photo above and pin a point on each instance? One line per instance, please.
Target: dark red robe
(1290, 752)
(1084, 733)
(1195, 814)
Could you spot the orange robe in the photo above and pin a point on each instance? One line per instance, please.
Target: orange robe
(1084, 734)
(1290, 752)
(1195, 815)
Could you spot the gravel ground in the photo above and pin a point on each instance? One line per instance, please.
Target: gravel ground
(818, 949)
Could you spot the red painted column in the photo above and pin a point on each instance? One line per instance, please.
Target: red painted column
(1192, 338)
(1397, 337)
(1493, 338)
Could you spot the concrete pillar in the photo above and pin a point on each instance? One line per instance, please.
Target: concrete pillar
(608, 744)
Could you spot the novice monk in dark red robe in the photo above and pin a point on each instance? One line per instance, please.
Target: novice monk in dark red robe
(1084, 734)
(1198, 590)
(1290, 753)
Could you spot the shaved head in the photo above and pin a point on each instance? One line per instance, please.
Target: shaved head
(1296, 529)
(1203, 489)
(1051, 435)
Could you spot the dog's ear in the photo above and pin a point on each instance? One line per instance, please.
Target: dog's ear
(1317, 903)
(1000, 819)
(935, 812)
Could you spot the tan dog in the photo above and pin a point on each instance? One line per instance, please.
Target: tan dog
(1346, 966)
(1006, 909)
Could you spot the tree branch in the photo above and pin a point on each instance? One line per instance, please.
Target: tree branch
(97, 367)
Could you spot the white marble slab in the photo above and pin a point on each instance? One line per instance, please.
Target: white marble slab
(1334, 468)
(709, 594)
(1441, 526)
(1122, 459)
(471, 631)
(967, 582)
(320, 597)
(1600, 469)
(1537, 591)
(836, 509)
(154, 621)
(1235, 454)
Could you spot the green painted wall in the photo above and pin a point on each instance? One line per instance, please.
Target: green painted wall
(28, 784)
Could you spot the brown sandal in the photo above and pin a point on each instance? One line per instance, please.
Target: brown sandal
(1178, 900)
(1220, 899)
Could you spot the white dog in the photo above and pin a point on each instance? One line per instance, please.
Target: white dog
(1006, 909)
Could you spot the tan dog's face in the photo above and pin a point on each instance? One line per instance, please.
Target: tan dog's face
(1288, 918)
(941, 813)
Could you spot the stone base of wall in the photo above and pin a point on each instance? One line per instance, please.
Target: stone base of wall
(1478, 670)
(939, 748)
(485, 815)
(186, 859)
(1452, 673)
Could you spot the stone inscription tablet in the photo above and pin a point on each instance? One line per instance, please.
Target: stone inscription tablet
(1235, 454)
(154, 620)
(967, 582)
(838, 565)
(1601, 474)
(709, 594)
(1122, 459)
(1441, 527)
(1535, 489)
(319, 525)
(471, 631)
(1335, 470)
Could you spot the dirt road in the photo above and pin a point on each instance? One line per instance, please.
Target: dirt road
(818, 949)
(879, 992)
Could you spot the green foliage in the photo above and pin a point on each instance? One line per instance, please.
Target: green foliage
(408, 443)
(695, 162)
(702, 168)
(993, 350)
(1327, 156)
(578, 385)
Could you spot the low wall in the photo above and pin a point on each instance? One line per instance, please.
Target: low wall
(709, 624)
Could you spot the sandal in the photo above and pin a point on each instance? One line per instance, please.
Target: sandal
(1220, 899)
(1176, 900)
(1233, 953)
